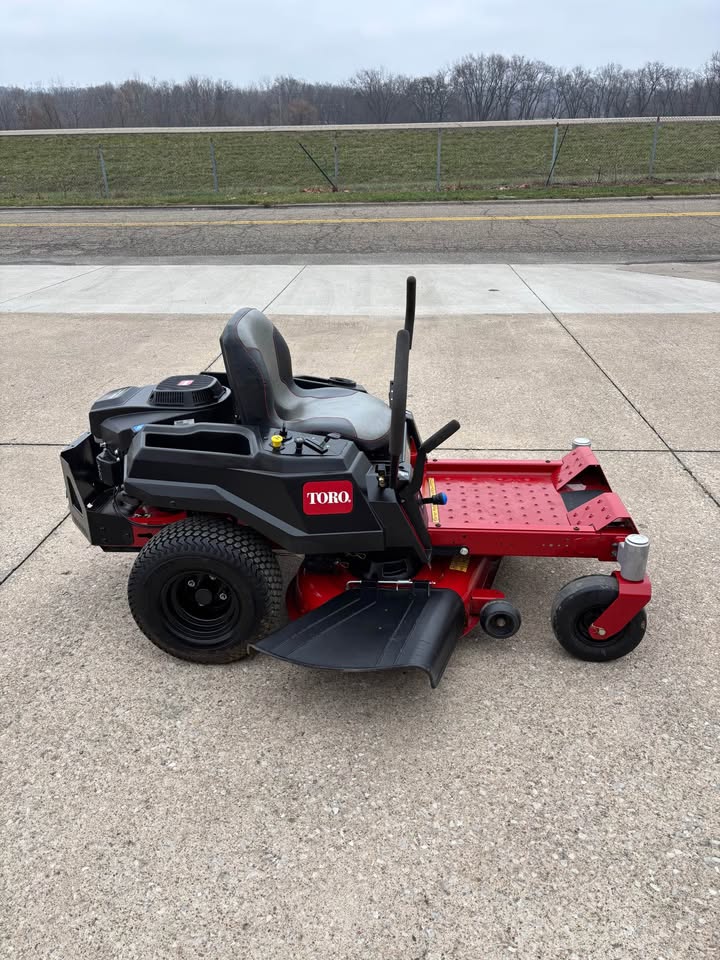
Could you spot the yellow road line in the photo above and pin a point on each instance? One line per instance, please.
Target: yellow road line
(259, 222)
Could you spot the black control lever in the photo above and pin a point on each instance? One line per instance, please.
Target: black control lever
(426, 447)
(314, 445)
(410, 292)
(398, 405)
(440, 436)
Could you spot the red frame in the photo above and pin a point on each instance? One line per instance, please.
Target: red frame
(498, 508)
(147, 521)
(515, 507)
(632, 596)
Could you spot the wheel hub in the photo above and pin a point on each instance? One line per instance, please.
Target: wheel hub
(202, 607)
(203, 597)
(586, 620)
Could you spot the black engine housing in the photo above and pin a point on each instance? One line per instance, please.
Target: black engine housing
(185, 398)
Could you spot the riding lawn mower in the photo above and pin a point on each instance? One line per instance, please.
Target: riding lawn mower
(209, 476)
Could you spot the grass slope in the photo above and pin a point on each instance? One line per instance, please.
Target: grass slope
(595, 160)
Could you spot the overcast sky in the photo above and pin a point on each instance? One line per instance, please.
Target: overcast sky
(90, 41)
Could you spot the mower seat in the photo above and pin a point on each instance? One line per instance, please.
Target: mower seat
(259, 369)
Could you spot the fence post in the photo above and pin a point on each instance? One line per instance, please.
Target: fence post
(103, 171)
(554, 153)
(213, 164)
(336, 160)
(653, 148)
(438, 162)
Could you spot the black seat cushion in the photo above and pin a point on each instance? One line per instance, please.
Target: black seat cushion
(259, 368)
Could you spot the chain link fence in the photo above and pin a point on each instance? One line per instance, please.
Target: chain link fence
(387, 162)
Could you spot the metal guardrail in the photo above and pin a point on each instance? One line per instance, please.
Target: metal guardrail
(330, 128)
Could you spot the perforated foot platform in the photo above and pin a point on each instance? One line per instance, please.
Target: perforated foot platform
(375, 628)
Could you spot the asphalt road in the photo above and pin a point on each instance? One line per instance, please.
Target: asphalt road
(673, 229)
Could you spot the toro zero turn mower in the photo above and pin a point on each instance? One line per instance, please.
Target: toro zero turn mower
(211, 475)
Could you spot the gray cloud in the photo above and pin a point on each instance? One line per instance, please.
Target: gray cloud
(83, 41)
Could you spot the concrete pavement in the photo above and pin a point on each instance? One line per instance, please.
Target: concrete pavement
(354, 290)
(533, 806)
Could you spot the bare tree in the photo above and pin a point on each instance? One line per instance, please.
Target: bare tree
(711, 80)
(379, 91)
(535, 80)
(477, 87)
(479, 81)
(575, 89)
(613, 90)
(72, 105)
(644, 85)
(429, 96)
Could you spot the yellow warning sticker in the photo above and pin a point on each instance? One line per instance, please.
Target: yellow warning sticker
(460, 563)
(434, 512)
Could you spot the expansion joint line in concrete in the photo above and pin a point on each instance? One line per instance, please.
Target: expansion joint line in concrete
(619, 389)
(48, 286)
(266, 307)
(34, 550)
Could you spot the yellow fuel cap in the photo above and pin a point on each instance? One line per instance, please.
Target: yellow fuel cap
(276, 440)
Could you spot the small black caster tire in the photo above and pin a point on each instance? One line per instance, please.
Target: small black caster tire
(578, 605)
(203, 589)
(500, 619)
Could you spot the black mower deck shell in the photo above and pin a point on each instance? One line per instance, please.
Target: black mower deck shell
(371, 628)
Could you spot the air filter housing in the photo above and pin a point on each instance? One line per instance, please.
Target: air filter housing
(186, 391)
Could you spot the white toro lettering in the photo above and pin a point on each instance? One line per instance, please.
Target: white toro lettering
(329, 496)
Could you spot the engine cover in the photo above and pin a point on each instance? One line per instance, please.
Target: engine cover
(198, 398)
(188, 391)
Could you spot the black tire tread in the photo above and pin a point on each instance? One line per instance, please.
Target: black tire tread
(223, 540)
(597, 590)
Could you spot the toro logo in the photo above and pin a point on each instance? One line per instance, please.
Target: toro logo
(330, 496)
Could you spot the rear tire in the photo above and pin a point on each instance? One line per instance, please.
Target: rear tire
(203, 589)
(578, 605)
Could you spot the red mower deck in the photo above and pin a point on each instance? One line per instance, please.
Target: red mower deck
(527, 508)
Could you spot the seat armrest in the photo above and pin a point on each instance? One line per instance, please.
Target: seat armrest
(313, 383)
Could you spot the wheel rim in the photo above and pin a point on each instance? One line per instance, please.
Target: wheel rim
(501, 625)
(202, 609)
(586, 620)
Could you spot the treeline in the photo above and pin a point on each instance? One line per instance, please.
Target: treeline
(484, 87)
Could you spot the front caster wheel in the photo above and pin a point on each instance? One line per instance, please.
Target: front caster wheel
(203, 588)
(578, 605)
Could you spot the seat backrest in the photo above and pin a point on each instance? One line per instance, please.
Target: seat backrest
(257, 361)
